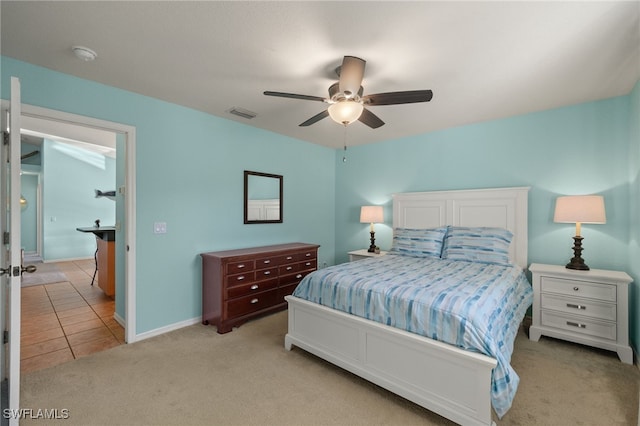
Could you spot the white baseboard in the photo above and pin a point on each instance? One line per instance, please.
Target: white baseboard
(119, 319)
(168, 328)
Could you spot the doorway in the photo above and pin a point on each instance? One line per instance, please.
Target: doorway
(65, 125)
(67, 306)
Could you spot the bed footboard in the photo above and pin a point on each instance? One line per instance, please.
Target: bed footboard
(439, 377)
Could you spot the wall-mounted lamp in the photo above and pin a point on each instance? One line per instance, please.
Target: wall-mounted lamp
(579, 209)
(371, 214)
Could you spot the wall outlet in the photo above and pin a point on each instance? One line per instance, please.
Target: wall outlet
(160, 228)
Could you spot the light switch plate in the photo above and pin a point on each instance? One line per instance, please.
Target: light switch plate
(160, 228)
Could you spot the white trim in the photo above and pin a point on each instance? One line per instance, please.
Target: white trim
(168, 328)
(119, 319)
(130, 185)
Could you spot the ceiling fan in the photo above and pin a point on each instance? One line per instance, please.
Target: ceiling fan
(346, 101)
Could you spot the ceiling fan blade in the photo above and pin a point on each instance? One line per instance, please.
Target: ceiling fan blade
(295, 96)
(351, 74)
(315, 118)
(396, 98)
(370, 119)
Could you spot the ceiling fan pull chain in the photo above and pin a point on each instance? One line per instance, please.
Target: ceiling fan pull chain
(344, 156)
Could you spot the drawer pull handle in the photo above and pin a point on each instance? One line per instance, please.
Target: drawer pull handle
(267, 272)
(289, 268)
(308, 254)
(572, 305)
(289, 257)
(254, 287)
(575, 324)
(576, 288)
(299, 276)
(254, 301)
(240, 278)
(240, 266)
(267, 262)
(308, 264)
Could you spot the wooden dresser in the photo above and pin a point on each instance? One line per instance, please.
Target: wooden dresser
(238, 285)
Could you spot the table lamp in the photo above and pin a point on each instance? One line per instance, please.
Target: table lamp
(371, 214)
(579, 209)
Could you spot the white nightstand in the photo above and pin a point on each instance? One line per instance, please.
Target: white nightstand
(363, 254)
(587, 307)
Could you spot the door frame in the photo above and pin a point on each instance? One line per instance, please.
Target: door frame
(129, 133)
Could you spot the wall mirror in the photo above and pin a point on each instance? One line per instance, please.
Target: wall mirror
(262, 197)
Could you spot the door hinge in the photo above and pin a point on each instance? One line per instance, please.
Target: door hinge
(5, 137)
(5, 336)
(5, 237)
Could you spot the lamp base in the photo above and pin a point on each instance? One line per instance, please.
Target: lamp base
(372, 247)
(576, 261)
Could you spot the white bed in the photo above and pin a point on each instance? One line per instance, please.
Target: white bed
(450, 381)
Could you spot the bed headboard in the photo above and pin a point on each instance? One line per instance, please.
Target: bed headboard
(496, 207)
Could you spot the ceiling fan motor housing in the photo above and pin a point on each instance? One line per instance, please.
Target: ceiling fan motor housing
(337, 96)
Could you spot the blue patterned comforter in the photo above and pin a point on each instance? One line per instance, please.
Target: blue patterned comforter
(475, 306)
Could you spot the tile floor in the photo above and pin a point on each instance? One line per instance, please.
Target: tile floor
(66, 320)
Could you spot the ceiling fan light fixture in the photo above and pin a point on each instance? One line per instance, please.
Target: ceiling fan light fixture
(346, 111)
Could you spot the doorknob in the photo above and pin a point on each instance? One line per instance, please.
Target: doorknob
(5, 271)
(29, 268)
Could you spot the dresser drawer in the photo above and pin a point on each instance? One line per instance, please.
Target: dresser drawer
(252, 303)
(262, 274)
(252, 288)
(286, 290)
(268, 262)
(300, 266)
(603, 292)
(239, 279)
(294, 278)
(580, 325)
(240, 267)
(575, 306)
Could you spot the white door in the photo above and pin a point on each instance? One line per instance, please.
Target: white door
(11, 260)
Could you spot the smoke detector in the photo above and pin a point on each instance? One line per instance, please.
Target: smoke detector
(84, 53)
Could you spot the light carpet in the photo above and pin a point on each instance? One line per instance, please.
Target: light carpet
(46, 273)
(194, 376)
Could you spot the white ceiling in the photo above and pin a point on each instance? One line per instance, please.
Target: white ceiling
(483, 60)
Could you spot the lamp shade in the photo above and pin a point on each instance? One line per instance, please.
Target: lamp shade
(345, 112)
(371, 214)
(580, 209)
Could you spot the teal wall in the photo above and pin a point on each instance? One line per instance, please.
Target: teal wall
(189, 174)
(29, 216)
(70, 176)
(580, 149)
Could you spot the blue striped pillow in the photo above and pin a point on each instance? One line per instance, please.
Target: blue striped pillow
(479, 244)
(418, 242)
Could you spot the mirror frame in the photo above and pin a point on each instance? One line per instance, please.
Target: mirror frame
(248, 173)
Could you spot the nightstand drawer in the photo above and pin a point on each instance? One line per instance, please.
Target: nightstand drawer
(603, 292)
(580, 325)
(575, 306)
